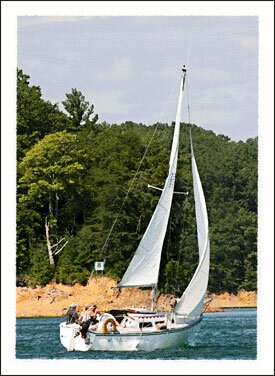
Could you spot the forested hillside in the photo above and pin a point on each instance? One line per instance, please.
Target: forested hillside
(73, 174)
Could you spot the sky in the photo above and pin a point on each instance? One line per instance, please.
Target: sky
(129, 67)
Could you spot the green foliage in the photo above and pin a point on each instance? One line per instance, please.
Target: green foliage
(51, 180)
(35, 116)
(51, 169)
(84, 183)
(250, 277)
(40, 272)
(79, 110)
(175, 274)
(70, 274)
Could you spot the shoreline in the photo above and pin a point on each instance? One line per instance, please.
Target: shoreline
(53, 299)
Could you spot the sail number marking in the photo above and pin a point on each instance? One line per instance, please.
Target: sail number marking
(171, 180)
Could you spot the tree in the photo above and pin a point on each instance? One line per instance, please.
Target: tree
(35, 116)
(79, 110)
(250, 278)
(50, 177)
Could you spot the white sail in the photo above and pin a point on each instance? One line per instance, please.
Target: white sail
(143, 269)
(191, 301)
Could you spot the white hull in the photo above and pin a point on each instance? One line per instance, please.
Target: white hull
(155, 340)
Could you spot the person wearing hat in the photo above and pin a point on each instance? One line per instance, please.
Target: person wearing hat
(71, 314)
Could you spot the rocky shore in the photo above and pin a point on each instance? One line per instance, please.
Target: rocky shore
(53, 299)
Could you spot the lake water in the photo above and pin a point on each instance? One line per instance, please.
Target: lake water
(223, 335)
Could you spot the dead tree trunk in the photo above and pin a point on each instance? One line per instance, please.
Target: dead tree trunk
(47, 227)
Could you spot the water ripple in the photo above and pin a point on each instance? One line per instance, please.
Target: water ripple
(221, 335)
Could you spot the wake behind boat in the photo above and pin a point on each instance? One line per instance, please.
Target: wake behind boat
(148, 330)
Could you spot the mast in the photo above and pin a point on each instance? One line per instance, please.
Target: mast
(143, 270)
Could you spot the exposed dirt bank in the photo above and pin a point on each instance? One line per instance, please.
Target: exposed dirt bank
(53, 299)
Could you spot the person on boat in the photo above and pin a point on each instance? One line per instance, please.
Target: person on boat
(93, 312)
(84, 321)
(84, 316)
(72, 314)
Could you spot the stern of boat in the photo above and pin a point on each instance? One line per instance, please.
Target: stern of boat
(71, 339)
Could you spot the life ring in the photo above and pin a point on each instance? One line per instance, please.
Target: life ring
(105, 325)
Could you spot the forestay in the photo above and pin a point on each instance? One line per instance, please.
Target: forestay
(143, 269)
(191, 302)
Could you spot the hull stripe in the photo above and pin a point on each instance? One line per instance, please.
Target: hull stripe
(144, 334)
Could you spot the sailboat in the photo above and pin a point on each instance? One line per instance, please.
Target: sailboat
(139, 329)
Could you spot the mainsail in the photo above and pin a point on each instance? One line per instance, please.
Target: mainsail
(191, 301)
(143, 269)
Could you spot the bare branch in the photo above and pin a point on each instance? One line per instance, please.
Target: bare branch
(57, 242)
(56, 253)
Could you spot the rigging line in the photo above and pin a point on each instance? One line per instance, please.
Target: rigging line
(187, 90)
(137, 171)
(169, 97)
(188, 54)
(188, 102)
